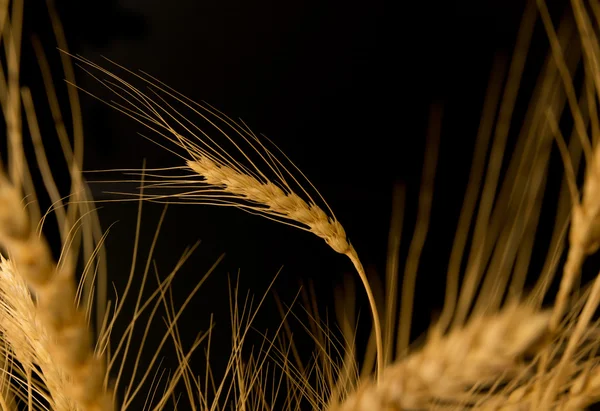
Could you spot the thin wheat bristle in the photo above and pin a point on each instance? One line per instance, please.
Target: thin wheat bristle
(584, 391)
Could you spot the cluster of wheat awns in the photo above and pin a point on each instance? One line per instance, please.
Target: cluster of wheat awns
(493, 347)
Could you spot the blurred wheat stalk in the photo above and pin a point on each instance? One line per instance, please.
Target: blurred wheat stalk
(496, 345)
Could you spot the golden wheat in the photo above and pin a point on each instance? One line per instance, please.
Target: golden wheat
(493, 347)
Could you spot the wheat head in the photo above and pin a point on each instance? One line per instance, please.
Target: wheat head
(275, 192)
(449, 367)
(272, 200)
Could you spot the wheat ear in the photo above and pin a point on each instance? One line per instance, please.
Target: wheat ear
(449, 367)
(226, 180)
(54, 289)
(274, 201)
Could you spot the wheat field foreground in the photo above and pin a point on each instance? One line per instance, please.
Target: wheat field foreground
(82, 330)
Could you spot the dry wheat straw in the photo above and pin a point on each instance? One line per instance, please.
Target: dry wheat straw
(51, 332)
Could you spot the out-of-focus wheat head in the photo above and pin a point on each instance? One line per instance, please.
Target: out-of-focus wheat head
(49, 357)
